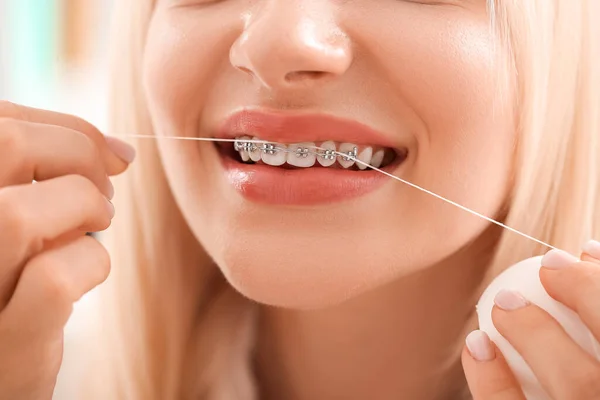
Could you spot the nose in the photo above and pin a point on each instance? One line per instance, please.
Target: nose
(290, 43)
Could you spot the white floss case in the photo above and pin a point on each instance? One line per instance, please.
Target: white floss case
(524, 278)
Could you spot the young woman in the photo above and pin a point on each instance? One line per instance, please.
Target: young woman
(243, 272)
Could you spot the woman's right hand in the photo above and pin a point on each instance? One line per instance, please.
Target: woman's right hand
(46, 260)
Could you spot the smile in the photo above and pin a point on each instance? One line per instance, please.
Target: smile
(304, 159)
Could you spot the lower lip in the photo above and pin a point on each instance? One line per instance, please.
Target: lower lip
(310, 186)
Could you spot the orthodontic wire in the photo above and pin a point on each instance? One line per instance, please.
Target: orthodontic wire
(348, 157)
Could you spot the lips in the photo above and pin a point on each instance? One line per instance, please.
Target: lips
(268, 184)
(280, 127)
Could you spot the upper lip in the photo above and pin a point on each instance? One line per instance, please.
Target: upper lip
(282, 127)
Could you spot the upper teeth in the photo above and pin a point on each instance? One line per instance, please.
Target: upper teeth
(306, 154)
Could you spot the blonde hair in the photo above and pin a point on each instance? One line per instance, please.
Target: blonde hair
(173, 328)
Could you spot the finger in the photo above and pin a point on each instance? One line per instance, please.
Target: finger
(32, 151)
(591, 252)
(51, 282)
(574, 283)
(563, 368)
(33, 215)
(116, 154)
(486, 370)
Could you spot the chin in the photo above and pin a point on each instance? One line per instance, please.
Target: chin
(313, 272)
(294, 284)
(301, 270)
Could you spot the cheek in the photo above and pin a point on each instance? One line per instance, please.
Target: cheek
(181, 63)
(445, 72)
(183, 60)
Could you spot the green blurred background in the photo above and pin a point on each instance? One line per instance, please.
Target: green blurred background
(53, 55)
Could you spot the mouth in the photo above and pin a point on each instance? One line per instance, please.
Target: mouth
(283, 159)
(327, 154)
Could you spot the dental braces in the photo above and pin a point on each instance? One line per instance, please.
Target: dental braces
(245, 146)
(301, 152)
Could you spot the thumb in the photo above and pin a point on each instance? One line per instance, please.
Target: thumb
(124, 151)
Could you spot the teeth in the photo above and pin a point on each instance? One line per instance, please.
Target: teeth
(365, 157)
(301, 155)
(272, 154)
(327, 159)
(244, 148)
(255, 155)
(350, 149)
(304, 155)
(377, 158)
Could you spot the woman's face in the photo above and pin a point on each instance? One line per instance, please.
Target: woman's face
(411, 80)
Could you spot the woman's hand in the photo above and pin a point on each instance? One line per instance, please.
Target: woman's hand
(46, 261)
(563, 368)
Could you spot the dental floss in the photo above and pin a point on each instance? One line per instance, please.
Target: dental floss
(359, 162)
(523, 276)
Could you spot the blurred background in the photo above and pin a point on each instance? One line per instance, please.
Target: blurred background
(53, 55)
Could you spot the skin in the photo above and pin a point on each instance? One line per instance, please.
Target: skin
(343, 329)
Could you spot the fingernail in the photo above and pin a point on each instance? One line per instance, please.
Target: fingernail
(110, 208)
(480, 346)
(111, 189)
(592, 248)
(558, 259)
(510, 300)
(123, 150)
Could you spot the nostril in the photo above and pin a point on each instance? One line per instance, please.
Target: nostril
(304, 75)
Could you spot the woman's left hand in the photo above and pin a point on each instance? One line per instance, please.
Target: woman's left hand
(563, 368)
